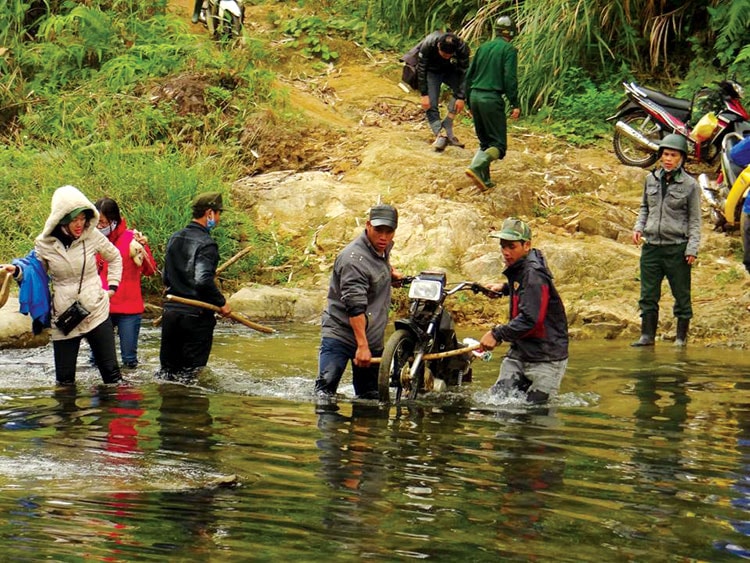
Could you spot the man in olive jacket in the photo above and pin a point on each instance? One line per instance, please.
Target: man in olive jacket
(492, 74)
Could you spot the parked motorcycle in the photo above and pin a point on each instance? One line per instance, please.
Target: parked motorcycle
(424, 354)
(647, 115)
(727, 197)
(225, 18)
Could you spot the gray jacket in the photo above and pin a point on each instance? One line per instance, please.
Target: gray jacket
(360, 283)
(674, 218)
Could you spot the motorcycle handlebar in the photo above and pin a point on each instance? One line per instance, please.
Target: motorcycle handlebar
(476, 288)
(461, 286)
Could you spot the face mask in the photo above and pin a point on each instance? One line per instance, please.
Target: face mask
(211, 222)
(106, 231)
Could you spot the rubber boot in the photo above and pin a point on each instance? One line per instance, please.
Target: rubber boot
(682, 329)
(197, 10)
(649, 321)
(479, 170)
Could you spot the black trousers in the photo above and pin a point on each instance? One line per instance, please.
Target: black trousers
(102, 342)
(187, 335)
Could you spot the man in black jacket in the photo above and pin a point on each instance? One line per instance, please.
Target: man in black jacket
(190, 264)
(538, 327)
(443, 59)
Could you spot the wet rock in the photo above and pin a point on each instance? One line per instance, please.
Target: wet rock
(266, 303)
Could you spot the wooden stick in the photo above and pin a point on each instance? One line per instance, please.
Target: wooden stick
(233, 259)
(439, 355)
(4, 286)
(224, 266)
(234, 316)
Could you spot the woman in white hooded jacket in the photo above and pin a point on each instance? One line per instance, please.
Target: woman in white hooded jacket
(67, 249)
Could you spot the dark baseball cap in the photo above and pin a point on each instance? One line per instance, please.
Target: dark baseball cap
(384, 215)
(208, 200)
(513, 229)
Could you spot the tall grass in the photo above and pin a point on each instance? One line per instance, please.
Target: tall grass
(92, 100)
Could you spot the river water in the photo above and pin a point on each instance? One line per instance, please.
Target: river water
(645, 456)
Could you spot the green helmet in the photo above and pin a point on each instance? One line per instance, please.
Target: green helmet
(504, 24)
(676, 142)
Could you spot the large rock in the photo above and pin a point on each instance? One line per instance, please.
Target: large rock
(15, 328)
(265, 303)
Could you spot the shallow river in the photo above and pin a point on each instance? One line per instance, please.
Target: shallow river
(645, 456)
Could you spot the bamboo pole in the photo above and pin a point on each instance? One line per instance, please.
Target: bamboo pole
(440, 355)
(234, 316)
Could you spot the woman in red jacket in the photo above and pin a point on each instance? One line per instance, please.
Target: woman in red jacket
(126, 306)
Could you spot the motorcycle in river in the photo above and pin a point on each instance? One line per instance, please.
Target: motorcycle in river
(424, 354)
(647, 115)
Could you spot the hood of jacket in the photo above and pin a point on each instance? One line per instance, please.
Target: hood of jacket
(65, 200)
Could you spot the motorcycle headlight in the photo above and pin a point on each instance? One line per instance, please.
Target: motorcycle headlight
(427, 290)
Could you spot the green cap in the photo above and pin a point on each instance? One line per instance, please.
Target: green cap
(208, 200)
(68, 219)
(513, 229)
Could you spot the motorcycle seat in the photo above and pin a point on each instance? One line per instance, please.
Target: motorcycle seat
(681, 106)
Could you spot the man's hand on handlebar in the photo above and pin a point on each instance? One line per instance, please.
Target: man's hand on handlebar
(402, 281)
(493, 291)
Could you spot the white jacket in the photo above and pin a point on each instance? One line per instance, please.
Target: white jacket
(64, 265)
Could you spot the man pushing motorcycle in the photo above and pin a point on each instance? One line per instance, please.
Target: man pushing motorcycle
(537, 329)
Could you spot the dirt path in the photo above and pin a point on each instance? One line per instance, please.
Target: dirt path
(581, 203)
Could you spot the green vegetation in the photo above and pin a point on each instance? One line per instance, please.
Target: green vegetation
(119, 98)
(96, 99)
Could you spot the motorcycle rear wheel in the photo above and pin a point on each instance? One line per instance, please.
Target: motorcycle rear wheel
(397, 356)
(628, 151)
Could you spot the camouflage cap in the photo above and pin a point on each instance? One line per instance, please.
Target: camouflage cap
(513, 229)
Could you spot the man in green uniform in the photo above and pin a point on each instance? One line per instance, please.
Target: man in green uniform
(492, 74)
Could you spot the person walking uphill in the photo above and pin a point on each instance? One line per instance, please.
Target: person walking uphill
(190, 263)
(359, 297)
(126, 306)
(538, 327)
(669, 226)
(492, 74)
(442, 59)
(66, 250)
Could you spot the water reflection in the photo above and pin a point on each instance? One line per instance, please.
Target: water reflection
(644, 457)
(352, 465)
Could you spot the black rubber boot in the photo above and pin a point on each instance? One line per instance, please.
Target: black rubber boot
(649, 321)
(682, 329)
(197, 10)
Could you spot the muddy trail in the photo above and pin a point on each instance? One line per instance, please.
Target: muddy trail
(368, 138)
